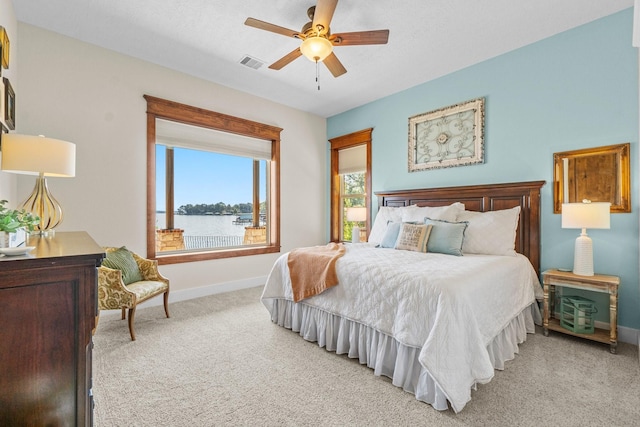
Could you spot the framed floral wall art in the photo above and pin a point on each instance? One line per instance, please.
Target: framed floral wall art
(447, 137)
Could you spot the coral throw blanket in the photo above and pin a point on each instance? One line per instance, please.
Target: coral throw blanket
(313, 269)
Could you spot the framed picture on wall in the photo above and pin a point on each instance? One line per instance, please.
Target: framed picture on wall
(4, 40)
(447, 137)
(9, 104)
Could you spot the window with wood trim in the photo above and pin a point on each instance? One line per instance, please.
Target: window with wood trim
(351, 185)
(213, 184)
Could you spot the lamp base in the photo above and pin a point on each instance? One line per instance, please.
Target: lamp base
(355, 235)
(583, 256)
(42, 203)
(43, 233)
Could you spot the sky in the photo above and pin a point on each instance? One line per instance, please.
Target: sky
(203, 177)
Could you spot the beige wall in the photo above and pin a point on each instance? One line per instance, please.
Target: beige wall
(93, 97)
(8, 21)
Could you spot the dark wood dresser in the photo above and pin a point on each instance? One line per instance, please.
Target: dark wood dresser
(48, 304)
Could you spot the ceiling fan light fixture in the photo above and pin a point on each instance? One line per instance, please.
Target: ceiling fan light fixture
(316, 48)
(317, 41)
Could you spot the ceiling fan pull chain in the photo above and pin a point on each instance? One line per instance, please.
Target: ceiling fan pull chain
(317, 74)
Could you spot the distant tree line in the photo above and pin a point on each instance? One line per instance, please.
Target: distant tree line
(219, 208)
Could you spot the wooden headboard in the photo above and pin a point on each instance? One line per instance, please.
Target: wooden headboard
(484, 198)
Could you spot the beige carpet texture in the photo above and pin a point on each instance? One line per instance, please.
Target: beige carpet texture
(219, 361)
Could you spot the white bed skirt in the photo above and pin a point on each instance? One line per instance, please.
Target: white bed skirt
(383, 353)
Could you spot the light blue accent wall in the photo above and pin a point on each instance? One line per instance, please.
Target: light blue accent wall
(577, 89)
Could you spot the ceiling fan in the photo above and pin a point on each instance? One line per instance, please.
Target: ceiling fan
(317, 40)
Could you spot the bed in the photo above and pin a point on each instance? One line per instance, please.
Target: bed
(435, 323)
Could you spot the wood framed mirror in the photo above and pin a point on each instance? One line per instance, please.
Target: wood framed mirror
(599, 174)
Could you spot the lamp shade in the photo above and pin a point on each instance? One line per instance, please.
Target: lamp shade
(35, 155)
(357, 214)
(586, 215)
(316, 48)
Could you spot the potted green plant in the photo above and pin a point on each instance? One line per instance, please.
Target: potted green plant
(12, 220)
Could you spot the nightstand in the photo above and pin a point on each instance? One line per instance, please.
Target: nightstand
(552, 279)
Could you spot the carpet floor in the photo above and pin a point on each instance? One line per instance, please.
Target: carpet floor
(219, 361)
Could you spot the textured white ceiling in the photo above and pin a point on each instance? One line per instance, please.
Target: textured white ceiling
(207, 39)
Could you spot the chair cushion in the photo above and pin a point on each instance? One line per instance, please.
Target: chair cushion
(147, 288)
(122, 259)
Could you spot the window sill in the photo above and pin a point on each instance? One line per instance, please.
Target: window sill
(217, 254)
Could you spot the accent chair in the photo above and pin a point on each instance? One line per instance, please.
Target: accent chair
(125, 280)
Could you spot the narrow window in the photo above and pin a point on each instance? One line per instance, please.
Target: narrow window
(353, 201)
(350, 185)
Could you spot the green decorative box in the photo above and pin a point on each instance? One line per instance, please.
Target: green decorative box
(576, 314)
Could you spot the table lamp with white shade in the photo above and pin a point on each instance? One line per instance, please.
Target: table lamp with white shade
(585, 215)
(45, 157)
(357, 215)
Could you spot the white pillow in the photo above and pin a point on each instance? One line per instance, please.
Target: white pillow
(445, 213)
(490, 233)
(385, 215)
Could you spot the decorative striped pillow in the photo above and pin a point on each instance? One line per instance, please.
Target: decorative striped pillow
(122, 259)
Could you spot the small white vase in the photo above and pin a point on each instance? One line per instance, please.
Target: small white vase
(10, 240)
(4, 239)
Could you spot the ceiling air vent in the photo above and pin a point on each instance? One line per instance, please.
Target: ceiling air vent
(251, 62)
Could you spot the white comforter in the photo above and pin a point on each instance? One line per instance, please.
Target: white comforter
(450, 307)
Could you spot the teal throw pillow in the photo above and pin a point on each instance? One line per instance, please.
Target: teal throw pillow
(122, 259)
(446, 237)
(391, 235)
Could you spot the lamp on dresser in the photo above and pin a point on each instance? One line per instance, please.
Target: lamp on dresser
(44, 157)
(585, 215)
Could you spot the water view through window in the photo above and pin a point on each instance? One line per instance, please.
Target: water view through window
(212, 199)
(220, 230)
